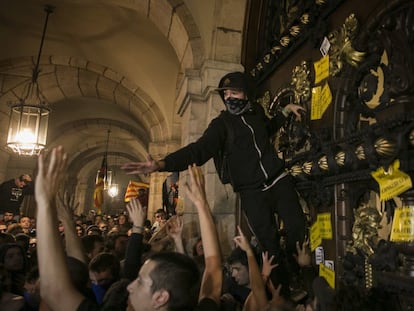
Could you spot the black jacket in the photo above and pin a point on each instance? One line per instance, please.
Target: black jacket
(252, 158)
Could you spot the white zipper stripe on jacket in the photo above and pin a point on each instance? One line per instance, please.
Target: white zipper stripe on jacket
(256, 147)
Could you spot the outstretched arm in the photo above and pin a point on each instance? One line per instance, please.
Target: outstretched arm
(212, 278)
(65, 212)
(174, 228)
(55, 286)
(137, 215)
(146, 167)
(257, 299)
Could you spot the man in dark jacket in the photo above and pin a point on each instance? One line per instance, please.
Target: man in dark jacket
(255, 171)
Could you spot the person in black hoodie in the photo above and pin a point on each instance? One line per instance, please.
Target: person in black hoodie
(242, 134)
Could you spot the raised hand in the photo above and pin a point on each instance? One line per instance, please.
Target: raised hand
(66, 207)
(277, 299)
(242, 242)
(136, 212)
(175, 227)
(146, 167)
(303, 257)
(267, 266)
(51, 173)
(196, 189)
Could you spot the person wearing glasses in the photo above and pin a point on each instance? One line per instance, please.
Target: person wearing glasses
(12, 193)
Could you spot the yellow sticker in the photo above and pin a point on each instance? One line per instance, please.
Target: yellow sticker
(321, 69)
(321, 99)
(325, 226)
(392, 182)
(327, 274)
(315, 236)
(326, 98)
(403, 225)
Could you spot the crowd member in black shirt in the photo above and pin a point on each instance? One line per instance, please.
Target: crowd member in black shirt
(12, 193)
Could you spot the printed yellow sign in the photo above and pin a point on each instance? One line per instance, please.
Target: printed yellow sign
(392, 182)
(327, 274)
(315, 236)
(321, 99)
(325, 227)
(403, 225)
(321, 69)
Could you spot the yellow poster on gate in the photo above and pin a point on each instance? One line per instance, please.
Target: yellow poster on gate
(325, 226)
(321, 69)
(315, 236)
(392, 182)
(402, 229)
(327, 274)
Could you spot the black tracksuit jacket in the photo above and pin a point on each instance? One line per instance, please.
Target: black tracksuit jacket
(252, 158)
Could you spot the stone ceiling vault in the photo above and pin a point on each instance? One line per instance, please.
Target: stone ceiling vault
(105, 64)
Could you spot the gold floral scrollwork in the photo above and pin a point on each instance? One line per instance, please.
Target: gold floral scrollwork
(266, 58)
(296, 170)
(264, 101)
(284, 41)
(276, 49)
(341, 49)
(305, 18)
(323, 163)
(365, 229)
(340, 158)
(360, 152)
(294, 30)
(307, 167)
(301, 83)
(385, 147)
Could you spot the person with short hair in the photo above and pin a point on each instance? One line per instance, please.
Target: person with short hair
(12, 193)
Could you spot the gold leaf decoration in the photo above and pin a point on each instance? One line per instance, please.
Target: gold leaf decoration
(296, 170)
(340, 158)
(275, 49)
(323, 163)
(294, 30)
(301, 83)
(341, 49)
(307, 167)
(384, 147)
(284, 41)
(360, 152)
(304, 19)
(259, 66)
(266, 58)
(264, 101)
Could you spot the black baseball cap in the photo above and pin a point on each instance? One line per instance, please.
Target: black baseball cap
(234, 81)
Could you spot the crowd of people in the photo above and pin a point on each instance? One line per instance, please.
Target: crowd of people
(60, 261)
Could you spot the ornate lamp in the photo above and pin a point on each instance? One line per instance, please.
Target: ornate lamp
(29, 117)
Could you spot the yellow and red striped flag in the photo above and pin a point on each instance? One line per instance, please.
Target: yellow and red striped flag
(98, 194)
(133, 189)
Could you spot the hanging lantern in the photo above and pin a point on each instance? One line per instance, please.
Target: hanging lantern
(29, 117)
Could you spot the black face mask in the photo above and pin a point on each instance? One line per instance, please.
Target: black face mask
(237, 106)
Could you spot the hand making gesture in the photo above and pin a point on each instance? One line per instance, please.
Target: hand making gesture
(146, 167)
(137, 213)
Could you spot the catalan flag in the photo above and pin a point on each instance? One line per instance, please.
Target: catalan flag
(98, 195)
(133, 189)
